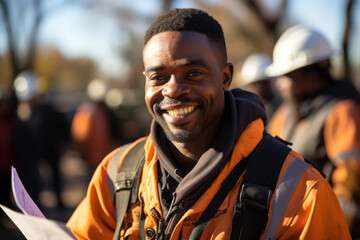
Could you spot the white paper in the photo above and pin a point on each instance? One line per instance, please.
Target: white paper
(35, 228)
(33, 223)
(22, 198)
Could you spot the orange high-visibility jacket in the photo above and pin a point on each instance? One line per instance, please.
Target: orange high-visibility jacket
(302, 207)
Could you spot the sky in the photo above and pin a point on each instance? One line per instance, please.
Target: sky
(328, 16)
(76, 32)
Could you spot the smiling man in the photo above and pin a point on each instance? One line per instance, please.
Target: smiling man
(186, 76)
(210, 170)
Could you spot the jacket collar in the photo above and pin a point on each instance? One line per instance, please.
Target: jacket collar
(241, 108)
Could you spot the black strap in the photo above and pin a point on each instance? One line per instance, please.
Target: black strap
(127, 183)
(262, 172)
(263, 166)
(219, 197)
(142, 221)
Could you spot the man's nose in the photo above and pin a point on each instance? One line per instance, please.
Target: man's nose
(175, 87)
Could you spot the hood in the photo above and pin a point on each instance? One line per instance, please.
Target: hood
(241, 108)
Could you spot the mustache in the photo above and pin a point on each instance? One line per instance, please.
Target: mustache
(170, 101)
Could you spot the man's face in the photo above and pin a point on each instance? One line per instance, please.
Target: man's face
(303, 84)
(283, 85)
(185, 84)
(261, 88)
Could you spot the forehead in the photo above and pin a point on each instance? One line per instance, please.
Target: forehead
(178, 46)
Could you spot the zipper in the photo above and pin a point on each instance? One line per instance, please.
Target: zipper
(163, 222)
(160, 227)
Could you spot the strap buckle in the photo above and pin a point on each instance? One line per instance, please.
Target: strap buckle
(125, 184)
(124, 181)
(255, 196)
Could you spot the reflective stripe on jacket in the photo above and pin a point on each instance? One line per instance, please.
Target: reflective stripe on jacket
(303, 206)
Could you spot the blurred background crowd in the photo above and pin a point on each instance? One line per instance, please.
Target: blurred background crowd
(71, 83)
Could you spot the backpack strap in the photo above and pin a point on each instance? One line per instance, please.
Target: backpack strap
(262, 172)
(127, 181)
(218, 199)
(113, 168)
(255, 193)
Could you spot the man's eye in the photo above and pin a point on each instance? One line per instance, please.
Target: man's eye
(157, 77)
(194, 74)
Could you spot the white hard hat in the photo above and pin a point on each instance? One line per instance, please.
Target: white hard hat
(299, 46)
(253, 68)
(26, 85)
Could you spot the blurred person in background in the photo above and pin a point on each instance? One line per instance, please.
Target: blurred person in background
(40, 134)
(252, 77)
(94, 126)
(321, 116)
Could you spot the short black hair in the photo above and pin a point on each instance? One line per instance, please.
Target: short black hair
(188, 19)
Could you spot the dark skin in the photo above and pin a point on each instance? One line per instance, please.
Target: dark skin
(304, 84)
(261, 88)
(186, 77)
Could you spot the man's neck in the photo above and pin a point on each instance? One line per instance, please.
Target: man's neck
(185, 159)
(186, 155)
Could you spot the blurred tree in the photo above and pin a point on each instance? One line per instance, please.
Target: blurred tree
(269, 21)
(131, 26)
(346, 38)
(22, 21)
(167, 5)
(67, 75)
(258, 26)
(249, 26)
(270, 24)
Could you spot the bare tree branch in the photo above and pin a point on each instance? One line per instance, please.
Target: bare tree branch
(26, 59)
(166, 5)
(10, 37)
(346, 37)
(269, 24)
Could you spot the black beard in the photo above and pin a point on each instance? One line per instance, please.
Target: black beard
(184, 135)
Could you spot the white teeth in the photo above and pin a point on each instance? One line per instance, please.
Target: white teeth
(181, 111)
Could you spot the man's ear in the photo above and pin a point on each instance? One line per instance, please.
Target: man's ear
(227, 75)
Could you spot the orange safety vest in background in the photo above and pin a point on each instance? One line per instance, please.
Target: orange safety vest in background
(302, 207)
(328, 134)
(330, 137)
(91, 132)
